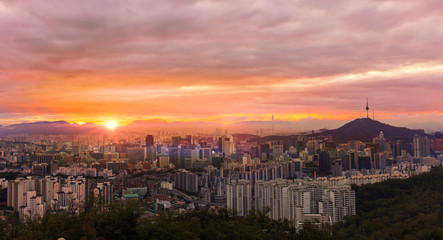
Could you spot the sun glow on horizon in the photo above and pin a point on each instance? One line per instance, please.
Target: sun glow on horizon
(111, 125)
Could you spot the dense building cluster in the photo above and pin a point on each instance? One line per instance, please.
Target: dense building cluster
(302, 177)
(32, 196)
(295, 200)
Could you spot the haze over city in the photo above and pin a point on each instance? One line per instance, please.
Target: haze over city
(213, 120)
(309, 62)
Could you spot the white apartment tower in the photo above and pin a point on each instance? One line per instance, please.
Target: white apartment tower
(239, 197)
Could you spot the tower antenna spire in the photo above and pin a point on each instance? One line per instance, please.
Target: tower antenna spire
(367, 108)
(272, 124)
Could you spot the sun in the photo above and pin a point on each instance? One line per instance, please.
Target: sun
(111, 125)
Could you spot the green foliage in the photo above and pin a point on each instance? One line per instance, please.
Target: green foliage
(10, 175)
(119, 221)
(224, 224)
(398, 209)
(3, 231)
(3, 195)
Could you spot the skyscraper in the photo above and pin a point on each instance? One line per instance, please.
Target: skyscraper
(239, 197)
(421, 146)
(228, 147)
(149, 140)
(175, 140)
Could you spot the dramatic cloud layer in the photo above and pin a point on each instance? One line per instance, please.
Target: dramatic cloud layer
(220, 61)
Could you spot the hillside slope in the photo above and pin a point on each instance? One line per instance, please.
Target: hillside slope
(364, 129)
(398, 209)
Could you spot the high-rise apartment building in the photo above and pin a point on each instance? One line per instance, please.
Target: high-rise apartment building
(186, 181)
(104, 192)
(239, 197)
(17, 189)
(32, 196)
(421, 146)
(294, 200)
(338, 202)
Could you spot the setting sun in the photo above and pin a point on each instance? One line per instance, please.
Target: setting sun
(111, 125)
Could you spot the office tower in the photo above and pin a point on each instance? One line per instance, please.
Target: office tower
(40, 169)
(264, 151)
(355, 145)
(151, 153)
(254, 152)
(205, 153)
(188, 139)
(246, 159)
(48, 158)
(437, 144)
(175, 141)
(220, 144)
(325, 163)
(228, 147)
(312, 147)
(351, 161)
(194, 155)
(380, 160)
(149, 140)
(163, 161)
(135, 155)
(416, 145)
(364, 162)
(337, 168)
(276, 148)
(109, 149)
(398, 146)
(174, 157)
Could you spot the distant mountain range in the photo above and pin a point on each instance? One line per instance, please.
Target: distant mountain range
(365, 129)
(51, 128)
(360, 129)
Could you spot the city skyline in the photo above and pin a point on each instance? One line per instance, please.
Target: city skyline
(221, 62)
(205, 119)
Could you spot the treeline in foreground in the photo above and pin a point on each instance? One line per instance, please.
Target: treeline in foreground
(122, 221)
(398, 209)
(395, 209)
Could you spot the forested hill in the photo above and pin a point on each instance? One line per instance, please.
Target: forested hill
(364, 129)
(398, 209)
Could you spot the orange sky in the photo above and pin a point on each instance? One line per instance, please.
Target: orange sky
(220, 61)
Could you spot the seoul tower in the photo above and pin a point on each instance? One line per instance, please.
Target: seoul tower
(367, 108)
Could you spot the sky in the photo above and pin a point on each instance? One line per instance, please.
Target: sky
(221, 61)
